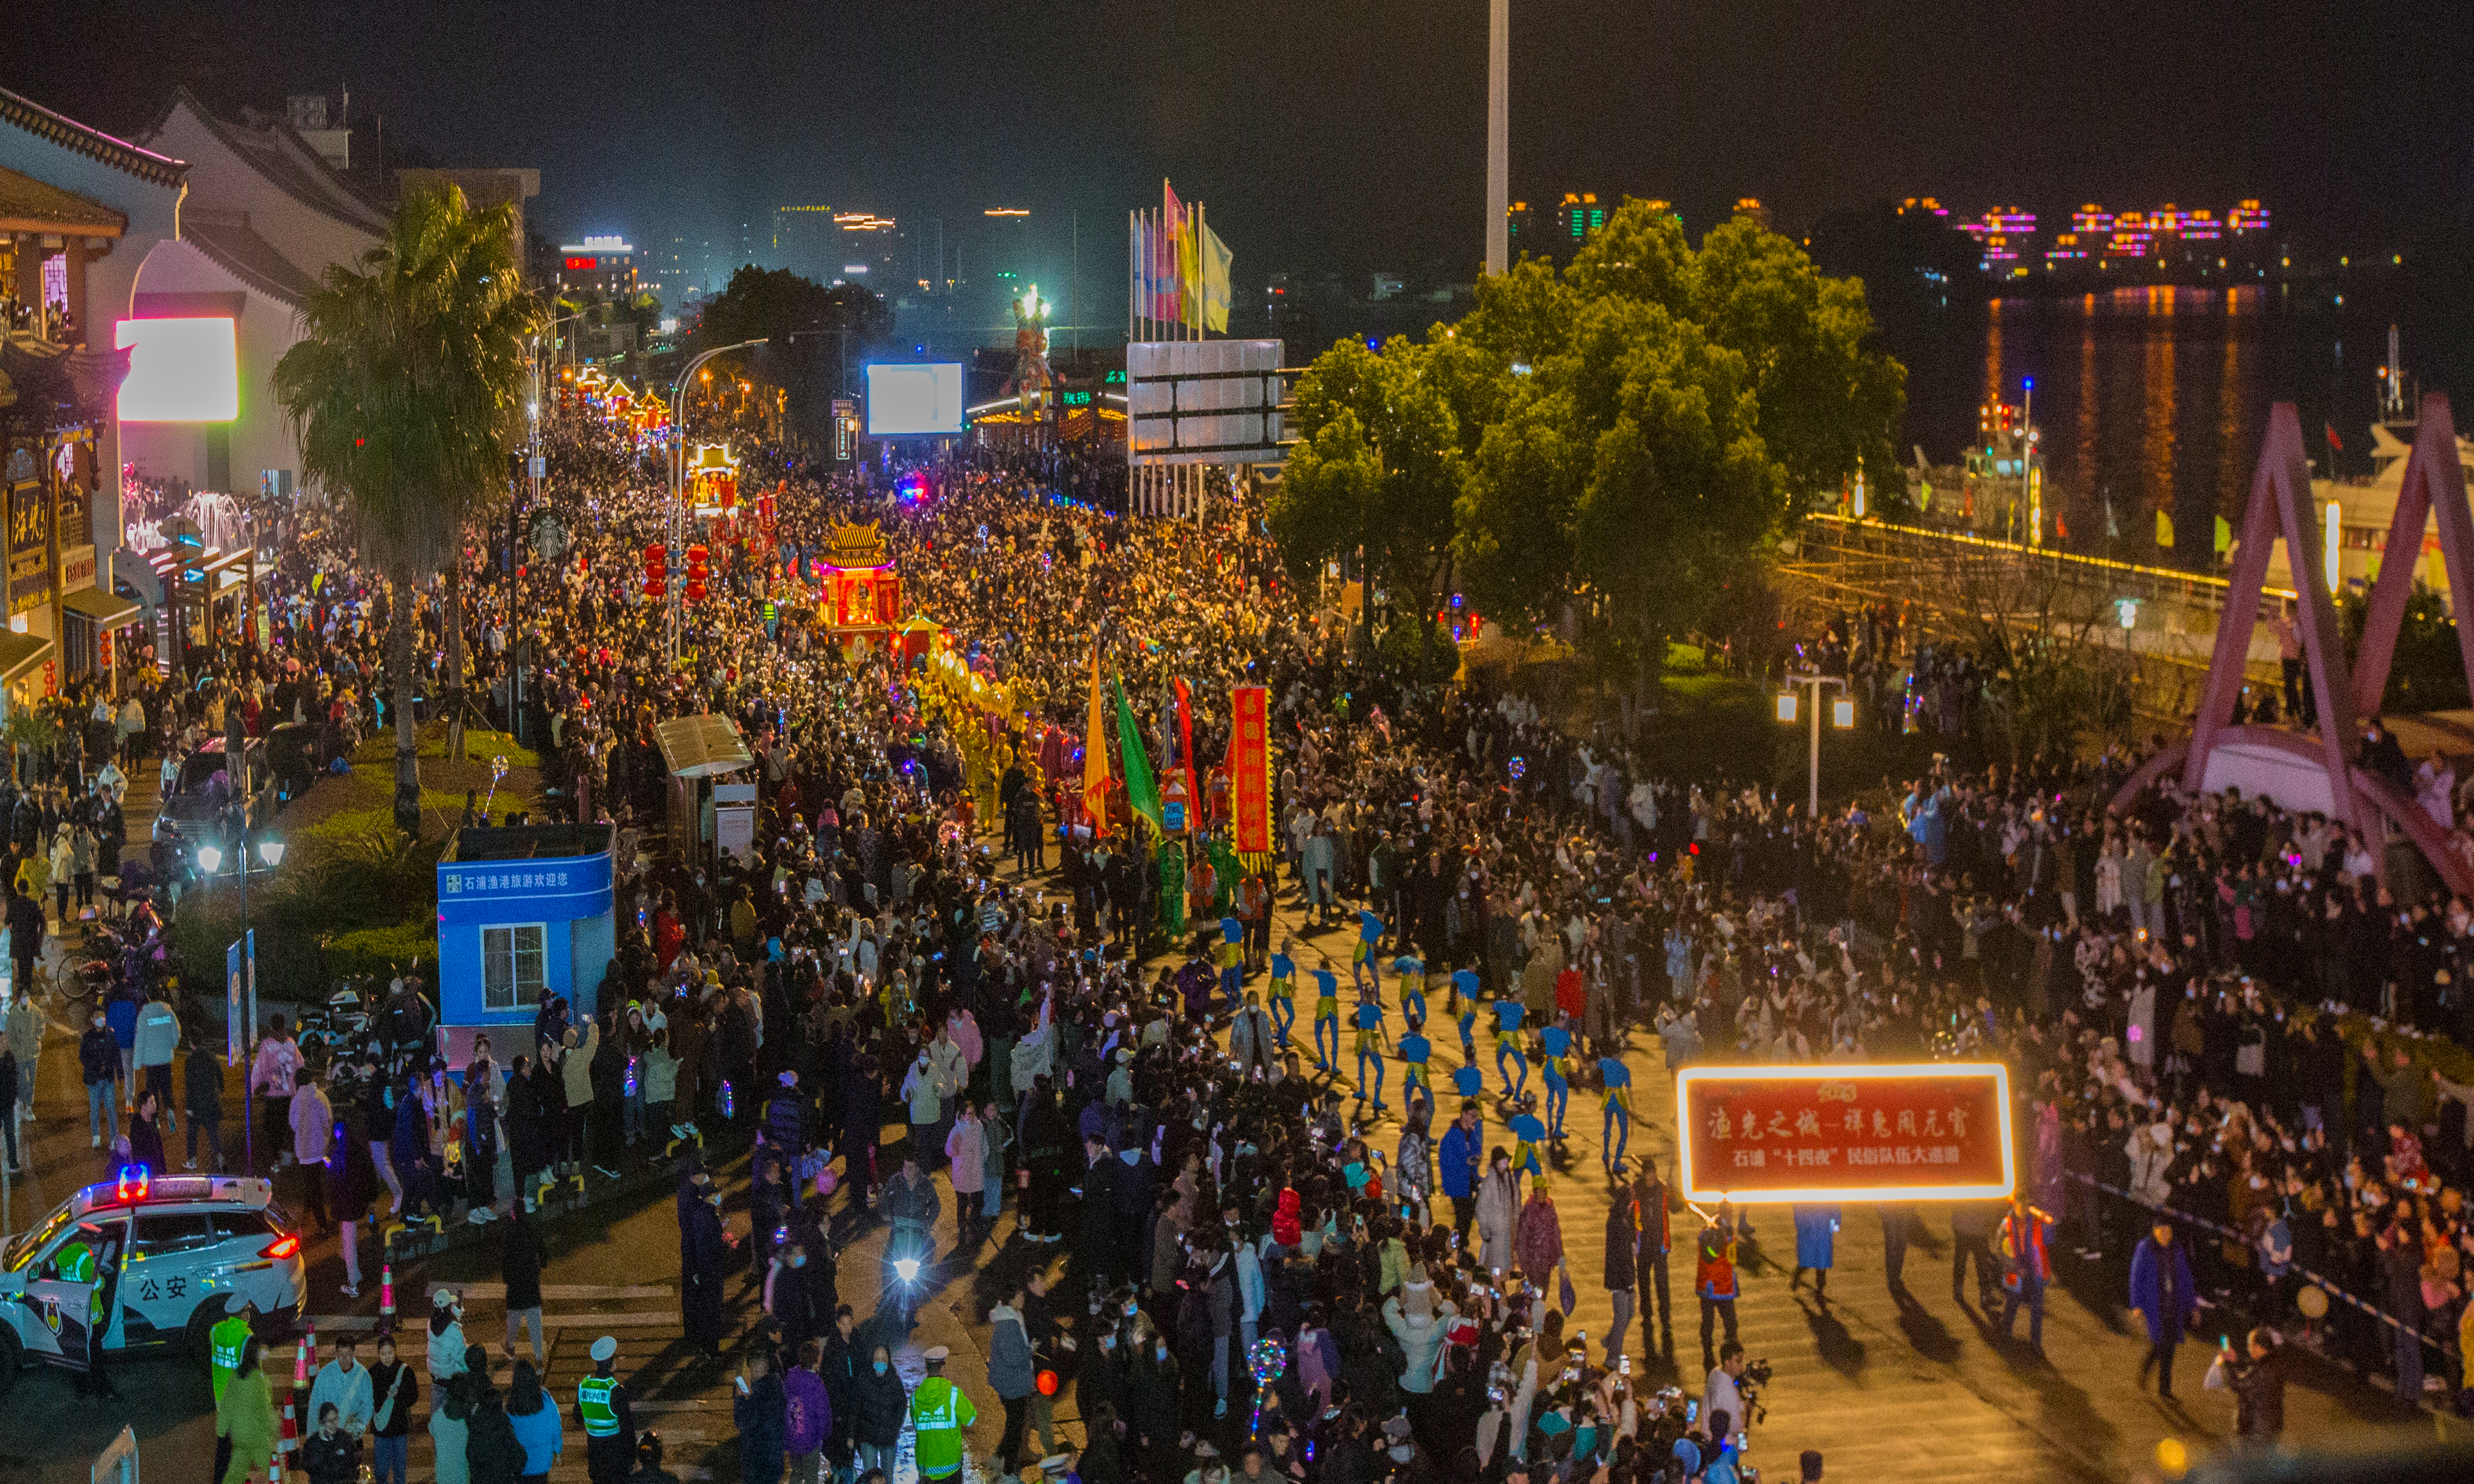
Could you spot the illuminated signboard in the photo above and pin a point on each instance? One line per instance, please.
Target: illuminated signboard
(587, 263)
(1925, 1131)
(180, 371)
(905, 400)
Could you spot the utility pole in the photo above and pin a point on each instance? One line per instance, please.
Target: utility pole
(1843, 717)
(1498, 136)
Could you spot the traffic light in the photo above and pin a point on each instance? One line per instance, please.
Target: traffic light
(657, 570)
(696, 573)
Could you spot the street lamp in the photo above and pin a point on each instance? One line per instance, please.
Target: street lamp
(1842, 717)
(679, 476)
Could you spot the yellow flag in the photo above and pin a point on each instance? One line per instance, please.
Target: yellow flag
(1095, 755)
(1189, 273)
(1216, 258)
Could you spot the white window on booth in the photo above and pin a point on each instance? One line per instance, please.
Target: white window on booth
(515, 964)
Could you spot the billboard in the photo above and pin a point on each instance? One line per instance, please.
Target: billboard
(1202, 401)
(1928, 1130)
(921, 400)
(180, 371)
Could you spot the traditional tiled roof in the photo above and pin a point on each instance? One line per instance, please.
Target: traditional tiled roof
(228, 238)
(119, 154)
(31, 206)
(286, 161)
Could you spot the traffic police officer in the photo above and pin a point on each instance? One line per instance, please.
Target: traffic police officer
(608, 1419)
(939, 1412)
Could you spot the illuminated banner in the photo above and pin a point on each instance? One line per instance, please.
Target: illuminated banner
(1919, 1131)
(1249, 767)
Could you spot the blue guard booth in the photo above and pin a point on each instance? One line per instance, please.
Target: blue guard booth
(520, 910)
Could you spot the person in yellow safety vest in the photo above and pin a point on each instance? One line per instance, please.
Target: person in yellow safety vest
(224, 1340)
(226, 1343)
(939, 1411)
(608, 1419)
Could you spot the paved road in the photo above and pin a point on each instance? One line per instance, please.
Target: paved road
(1881, 1388)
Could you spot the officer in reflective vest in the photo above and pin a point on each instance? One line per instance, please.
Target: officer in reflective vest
(608, 1421)
(225, 1341)
(939, 1412)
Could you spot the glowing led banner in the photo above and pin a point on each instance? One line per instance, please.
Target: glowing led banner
(1927, 1130)
(180, 371)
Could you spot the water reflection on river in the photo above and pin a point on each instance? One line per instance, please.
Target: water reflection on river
(2147, 399)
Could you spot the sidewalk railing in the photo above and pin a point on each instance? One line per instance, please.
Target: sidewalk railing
(2439, 1344)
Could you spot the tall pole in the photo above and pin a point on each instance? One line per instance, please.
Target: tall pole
(1812, 775)
(1498, 135)
(2027, 462)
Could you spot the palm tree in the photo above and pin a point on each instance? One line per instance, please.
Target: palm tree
(406, 392)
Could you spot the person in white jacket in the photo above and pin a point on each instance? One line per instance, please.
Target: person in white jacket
(159, 1037)
(2142, 1032)
(2151, 1154)
(1422, 1341)
(1498, 1211)
(1250, 1293)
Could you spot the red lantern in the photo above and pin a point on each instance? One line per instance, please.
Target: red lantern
(697, 573)
(1047, 1382)
(657, 570)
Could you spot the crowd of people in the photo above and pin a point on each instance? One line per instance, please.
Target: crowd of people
(2225, 1029)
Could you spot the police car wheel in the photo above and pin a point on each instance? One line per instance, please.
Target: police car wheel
(12, 1358)
(198, 1335)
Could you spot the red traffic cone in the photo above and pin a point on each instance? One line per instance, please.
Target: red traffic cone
(386, 1299)
(301, 1357)
(289, 1438)
(275, 1468)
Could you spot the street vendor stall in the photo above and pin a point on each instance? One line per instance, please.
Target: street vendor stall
(709, 808)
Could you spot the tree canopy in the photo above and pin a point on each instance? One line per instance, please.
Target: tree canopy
(1605, 446)
(809, 327)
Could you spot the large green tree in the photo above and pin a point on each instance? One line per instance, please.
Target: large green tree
(816, 336)
(406, 392)
(1646, 422)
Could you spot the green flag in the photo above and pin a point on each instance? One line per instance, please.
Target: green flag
(1141, 792)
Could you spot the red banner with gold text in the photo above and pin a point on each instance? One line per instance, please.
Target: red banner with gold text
(1249, 767)
(1921, 1131)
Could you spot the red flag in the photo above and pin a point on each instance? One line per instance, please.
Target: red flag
(2334, 442)
(1168, 293)
(1185, 742)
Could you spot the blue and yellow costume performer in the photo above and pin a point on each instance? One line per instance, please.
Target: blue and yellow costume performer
(1412, 971)
(1371, 1045)
(1232, 961)
(1554, 1066)
(1369, 933)
(1283, 996)
(1617, 1102)
(1326, 1012)
(1507, 1043)
(1464, 994)
(1468, 1081)
(1415, 1050)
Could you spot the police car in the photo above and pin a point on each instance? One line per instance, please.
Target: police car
(192, 1241)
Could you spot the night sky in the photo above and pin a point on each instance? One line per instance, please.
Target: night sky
(1334, 134)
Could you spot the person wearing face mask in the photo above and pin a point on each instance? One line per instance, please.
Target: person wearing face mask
(701, 1254)
(792, 1298)
(877, 1408)
(447, 1344)
(99, 1062)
